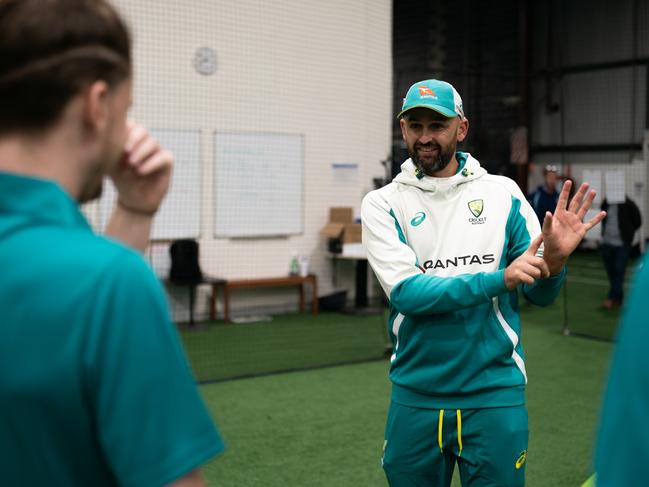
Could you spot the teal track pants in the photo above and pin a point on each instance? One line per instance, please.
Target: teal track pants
(422, 446)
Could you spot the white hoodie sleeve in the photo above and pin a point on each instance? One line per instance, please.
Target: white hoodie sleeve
(387, 250)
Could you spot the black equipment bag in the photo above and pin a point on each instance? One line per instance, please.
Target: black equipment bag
(185, 268)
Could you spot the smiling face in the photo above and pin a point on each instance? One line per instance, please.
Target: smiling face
(432, 139)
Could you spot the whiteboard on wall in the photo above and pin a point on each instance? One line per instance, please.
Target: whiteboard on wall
(258, 184)
(179, 215)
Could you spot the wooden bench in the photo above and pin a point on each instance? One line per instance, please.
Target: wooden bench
(229, 285)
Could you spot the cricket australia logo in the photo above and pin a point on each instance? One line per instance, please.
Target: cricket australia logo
(476, 207)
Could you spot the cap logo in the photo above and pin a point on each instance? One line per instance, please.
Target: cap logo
(426, 91)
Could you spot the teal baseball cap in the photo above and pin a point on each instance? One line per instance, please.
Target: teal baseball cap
(436, 95)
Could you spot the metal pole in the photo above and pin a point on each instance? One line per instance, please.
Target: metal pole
(634, 74)
(525, 52)
(562, 124)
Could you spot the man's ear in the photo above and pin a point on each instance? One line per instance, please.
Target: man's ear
(463, 129)
(402, 124)
(95, 106)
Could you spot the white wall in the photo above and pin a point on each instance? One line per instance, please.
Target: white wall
(322, 69)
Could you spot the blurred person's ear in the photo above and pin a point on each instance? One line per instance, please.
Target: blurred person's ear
(96, 110)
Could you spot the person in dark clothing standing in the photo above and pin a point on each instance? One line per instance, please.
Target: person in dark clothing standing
(546, 195)
(618, 229)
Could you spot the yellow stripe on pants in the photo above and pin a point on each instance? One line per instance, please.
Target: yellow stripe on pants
(459, 431)
(439, 430)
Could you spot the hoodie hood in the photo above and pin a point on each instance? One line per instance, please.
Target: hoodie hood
(471, 170)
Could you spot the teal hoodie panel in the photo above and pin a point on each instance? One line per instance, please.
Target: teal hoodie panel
(424, 295)
(544, 291)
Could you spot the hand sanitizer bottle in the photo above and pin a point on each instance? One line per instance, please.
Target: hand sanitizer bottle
(294, 268)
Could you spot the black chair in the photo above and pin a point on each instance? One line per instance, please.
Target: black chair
(186, 271)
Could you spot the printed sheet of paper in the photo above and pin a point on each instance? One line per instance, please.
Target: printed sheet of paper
(615, 187)
(594, 178)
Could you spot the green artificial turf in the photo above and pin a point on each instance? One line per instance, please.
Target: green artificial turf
(586, 289)
(566, 379)
(325, 427)
(317, 428)
(220, 351)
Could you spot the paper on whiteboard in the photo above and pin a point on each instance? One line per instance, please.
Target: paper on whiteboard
(344, 173)
(615, 187)
(596, 231)
(355, 250)
(594, 179)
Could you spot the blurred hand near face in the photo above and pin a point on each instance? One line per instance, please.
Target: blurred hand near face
(143, 175)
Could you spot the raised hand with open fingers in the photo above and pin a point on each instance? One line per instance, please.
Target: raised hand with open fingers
(527, 268)
(564, 230)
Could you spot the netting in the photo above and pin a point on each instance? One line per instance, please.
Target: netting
(589, 98)
(276, 112)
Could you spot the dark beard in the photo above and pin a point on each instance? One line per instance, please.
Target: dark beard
(91, 192)
(93, 185)
(431, 166)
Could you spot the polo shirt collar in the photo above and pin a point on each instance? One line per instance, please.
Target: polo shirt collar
(40, 200)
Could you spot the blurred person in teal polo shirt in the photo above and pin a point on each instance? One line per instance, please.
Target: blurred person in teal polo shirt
(622, 446)
(95, 388)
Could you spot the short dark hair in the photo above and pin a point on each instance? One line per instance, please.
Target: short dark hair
(50, 50)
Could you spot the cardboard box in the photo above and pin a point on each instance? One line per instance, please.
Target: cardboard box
(352, 233)
(341, 226)
(341, 215)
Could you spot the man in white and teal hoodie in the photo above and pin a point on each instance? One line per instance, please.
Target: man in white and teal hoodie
(450, 245)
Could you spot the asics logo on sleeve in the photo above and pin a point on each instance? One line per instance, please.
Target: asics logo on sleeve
(418, 218)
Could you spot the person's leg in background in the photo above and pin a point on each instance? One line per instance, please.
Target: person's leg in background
(620, 260)
(608, 257)
(412, 456)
